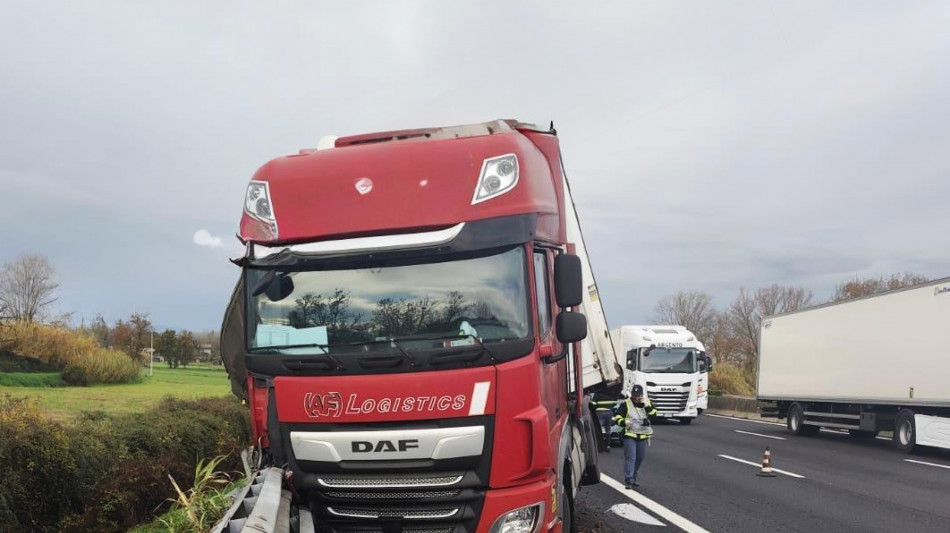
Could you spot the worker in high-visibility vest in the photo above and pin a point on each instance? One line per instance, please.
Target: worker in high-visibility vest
(633, 415)
(604, 404)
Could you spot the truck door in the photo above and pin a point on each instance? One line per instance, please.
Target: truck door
(702, 388)
(553, 376)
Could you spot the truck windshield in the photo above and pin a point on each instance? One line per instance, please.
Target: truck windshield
(422, 306)
(669, 360)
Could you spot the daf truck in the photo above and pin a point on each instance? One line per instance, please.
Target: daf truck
(671, 365)
(864, 366)
(414, 328)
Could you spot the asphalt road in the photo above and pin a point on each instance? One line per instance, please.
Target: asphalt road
(844, 484)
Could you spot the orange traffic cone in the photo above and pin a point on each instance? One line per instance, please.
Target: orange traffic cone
(766, 470)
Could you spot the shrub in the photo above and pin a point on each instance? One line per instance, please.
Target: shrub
(77, 354)
(108, 472)
(730, 380)
(101, 366)
(50, 345)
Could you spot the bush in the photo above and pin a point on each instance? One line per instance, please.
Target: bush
(101, 366)
(49, 345)
(731, 380)
(108, 472)
(77, 354)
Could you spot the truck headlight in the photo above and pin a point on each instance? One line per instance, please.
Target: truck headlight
(523, 520)
(499, 175)
(257, 204)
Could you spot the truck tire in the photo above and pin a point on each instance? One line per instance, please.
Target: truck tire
(686, 421)
(568, 522)
(796, 421)
(905, 431)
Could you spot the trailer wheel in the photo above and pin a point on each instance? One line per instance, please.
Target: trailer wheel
(905, 431)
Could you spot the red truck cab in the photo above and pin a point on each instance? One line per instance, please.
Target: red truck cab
(403, 331)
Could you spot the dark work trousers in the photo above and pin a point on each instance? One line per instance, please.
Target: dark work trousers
(605, 418)
(634, 450)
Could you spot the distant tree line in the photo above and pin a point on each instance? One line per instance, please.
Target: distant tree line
(731, 334)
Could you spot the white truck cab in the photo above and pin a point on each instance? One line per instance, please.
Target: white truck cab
(671, 365)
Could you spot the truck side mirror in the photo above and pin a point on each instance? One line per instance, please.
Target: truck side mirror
(632, 359)
(709, 365)
(571, 327)
(281, 287)
(702, 364)
(568, 281)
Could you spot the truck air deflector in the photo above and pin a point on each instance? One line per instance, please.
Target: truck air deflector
(473, 236)
(367, 244)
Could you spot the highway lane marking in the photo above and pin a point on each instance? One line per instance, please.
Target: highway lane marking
(758, 434)
(657, 509)
(744, 419)
(634, 514)
(926, 463)
(758, 465)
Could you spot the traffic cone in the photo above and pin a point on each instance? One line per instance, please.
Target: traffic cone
(766, 470)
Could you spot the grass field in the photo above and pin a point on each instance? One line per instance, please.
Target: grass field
(196, 381)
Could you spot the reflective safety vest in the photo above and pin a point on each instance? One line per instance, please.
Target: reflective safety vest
(636, 421)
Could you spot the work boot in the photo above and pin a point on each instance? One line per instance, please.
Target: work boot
(628, 486)
(635, 484)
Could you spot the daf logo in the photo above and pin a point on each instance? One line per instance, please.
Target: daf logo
(365, 446)
(667, 389)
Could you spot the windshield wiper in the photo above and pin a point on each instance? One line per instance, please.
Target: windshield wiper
(325, 351)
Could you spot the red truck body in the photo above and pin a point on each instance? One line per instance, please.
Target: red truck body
(426, 431)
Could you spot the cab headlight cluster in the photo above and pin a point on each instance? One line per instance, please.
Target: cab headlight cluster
(523, 520)
(499, 175)
(257, 203)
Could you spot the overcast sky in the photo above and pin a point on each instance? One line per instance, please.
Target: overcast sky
(710, 145)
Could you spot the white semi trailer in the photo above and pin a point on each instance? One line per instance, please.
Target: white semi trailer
(878, 363)
(671, 365)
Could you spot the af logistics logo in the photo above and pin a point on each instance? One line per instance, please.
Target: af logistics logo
(332, 405)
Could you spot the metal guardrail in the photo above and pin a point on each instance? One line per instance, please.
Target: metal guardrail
(263, 506)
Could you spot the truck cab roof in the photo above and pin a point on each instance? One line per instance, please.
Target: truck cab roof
(405, 181)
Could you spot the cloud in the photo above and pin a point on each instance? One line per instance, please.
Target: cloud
(204, 238)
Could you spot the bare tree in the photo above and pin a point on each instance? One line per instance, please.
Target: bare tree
(692, 309)
(857, 287)
(26, 287)
(750, 307)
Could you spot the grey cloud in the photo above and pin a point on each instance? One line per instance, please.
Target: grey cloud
(709, 146)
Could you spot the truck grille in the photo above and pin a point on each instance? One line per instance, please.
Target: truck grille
(669, 402)
(383, 482)
(392, 503)
(408, 513)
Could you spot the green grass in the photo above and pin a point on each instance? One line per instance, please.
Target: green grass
(31, 379)
(177, 516)
(196, 381)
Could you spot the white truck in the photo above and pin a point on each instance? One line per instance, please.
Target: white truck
(877, 363)
(671, 365)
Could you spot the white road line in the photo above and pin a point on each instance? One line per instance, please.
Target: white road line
(926, 463)
(744, 419)
(658, 509)
(634, 514)
(758, 434)
(758, 465)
